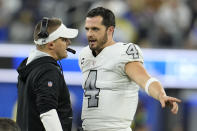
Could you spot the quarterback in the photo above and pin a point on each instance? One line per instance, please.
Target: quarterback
(112, 72)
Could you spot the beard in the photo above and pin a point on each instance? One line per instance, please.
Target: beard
(99, 44)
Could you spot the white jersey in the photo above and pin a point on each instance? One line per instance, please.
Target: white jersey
(110, 97)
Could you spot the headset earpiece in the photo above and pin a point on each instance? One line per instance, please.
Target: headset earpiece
(43, 28)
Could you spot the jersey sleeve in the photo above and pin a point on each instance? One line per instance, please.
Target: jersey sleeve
(131, 52)
(47, 91)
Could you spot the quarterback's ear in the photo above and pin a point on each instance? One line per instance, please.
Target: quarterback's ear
(110, 30)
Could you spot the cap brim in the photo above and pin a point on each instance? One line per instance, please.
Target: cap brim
(69, 33)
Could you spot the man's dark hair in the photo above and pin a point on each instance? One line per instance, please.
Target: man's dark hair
(7, 124)
(107, 15)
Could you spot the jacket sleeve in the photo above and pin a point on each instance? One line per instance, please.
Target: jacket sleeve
(46, 91)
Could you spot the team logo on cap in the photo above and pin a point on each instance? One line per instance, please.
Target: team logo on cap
(50, 83)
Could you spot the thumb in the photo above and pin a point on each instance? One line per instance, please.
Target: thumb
(162, 103)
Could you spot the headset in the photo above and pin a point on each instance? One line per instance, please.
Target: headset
(43, 28)
(44, 34)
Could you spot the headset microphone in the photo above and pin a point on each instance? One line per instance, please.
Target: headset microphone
(71, 50)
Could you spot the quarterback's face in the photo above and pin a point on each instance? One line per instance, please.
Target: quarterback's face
(96, 33)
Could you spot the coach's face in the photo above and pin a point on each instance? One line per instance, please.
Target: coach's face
(61, 44)
(96, 33)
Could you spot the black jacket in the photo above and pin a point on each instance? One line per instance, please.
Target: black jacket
(41, 87)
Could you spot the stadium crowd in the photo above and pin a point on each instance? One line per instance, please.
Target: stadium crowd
(149, 23)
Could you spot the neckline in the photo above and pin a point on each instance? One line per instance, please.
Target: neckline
(103, 50)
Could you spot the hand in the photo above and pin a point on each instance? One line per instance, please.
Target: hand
(167, 101)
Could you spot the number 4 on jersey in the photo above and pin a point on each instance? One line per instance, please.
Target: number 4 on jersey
(133, 51)
(90, 89)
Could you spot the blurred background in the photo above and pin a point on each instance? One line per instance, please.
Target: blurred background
(166, 30)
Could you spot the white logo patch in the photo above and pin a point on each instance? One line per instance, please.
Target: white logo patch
(50, 83)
